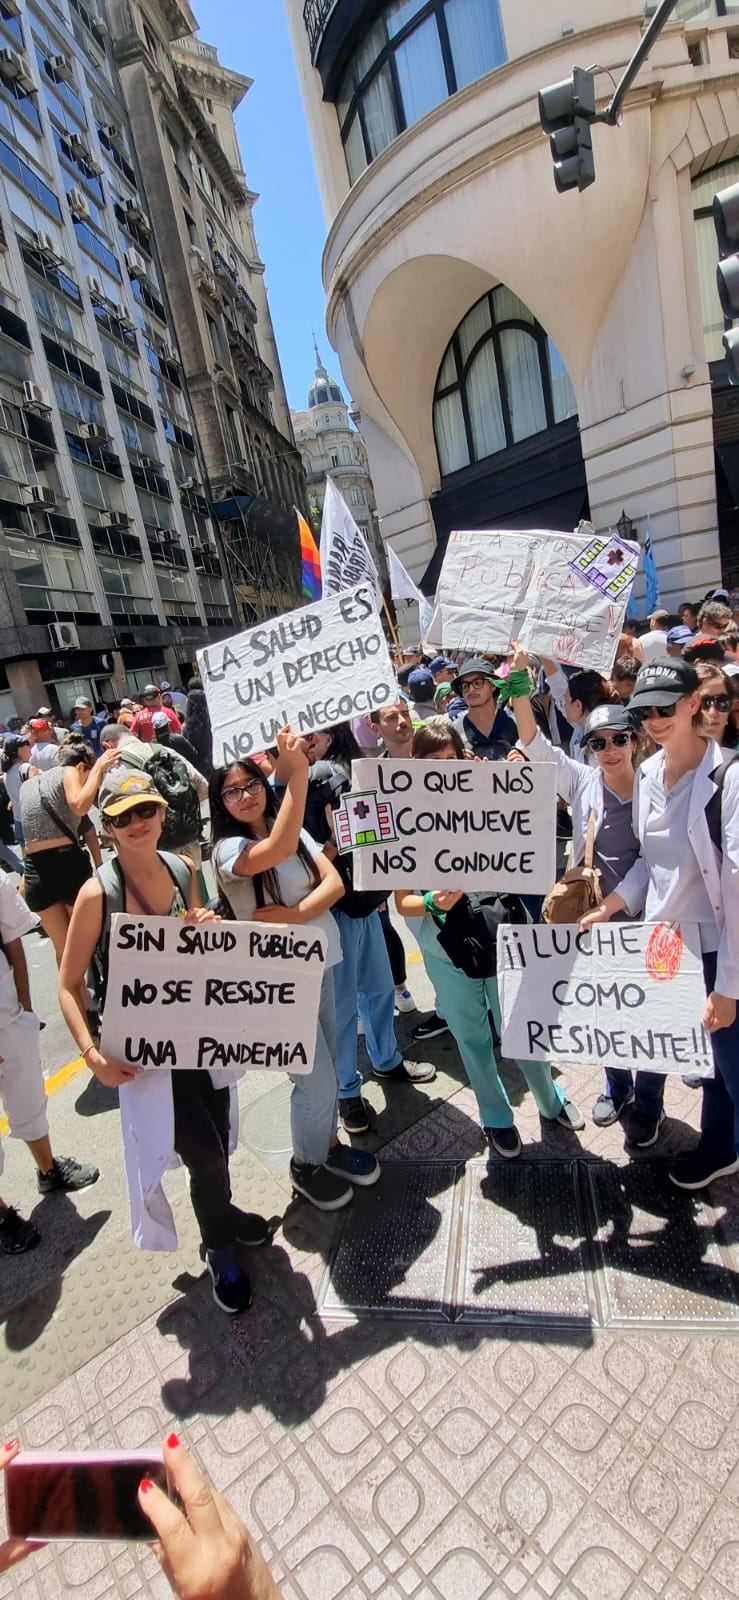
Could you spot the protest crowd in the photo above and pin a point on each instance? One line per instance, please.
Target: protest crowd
(615, 790)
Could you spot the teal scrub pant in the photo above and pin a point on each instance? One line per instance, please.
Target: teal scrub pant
(465, 1003)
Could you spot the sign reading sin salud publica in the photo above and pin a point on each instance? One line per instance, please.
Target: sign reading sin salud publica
(314, 667)
(563, 595)
(621, 994)
(485, 825)
(224, 994)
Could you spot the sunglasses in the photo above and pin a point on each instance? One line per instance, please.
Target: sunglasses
(620, 740)
(716, 702)
(145, 811)
(238, 792)
(663, 712)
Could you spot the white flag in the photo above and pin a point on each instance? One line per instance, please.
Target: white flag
(402, 587)
(345, 556)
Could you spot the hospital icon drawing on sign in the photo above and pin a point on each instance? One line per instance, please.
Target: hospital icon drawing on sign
(362, 820)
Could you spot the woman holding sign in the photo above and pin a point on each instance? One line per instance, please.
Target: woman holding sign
(687, 823)
(164, 1112)
(271, 870)
(467, 1001)
(603, 791)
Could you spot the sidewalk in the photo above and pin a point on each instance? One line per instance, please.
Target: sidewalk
(506, 1379)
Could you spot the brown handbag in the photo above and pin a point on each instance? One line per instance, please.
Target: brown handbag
(579, 891)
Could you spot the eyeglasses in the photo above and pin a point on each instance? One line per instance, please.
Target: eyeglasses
(474, 683)
(232, 796)
(619, 739)
(716, 702)
(663, 712)
(145, 811)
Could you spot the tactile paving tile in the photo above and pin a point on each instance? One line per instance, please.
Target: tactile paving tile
(393, 1255)
(658, 1252)
(522, 1247)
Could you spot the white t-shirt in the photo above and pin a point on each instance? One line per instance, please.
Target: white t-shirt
(15, 920)
(45, 756)
(294, 880)
(653, 643)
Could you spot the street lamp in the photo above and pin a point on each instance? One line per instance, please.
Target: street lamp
(625, 527)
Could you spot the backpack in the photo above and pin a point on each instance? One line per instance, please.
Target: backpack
(579, 891)
(714, 808)
(169, 776)
(468, 933)
(110, 879)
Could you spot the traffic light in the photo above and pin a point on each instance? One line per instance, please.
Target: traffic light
(566, 111)
(726, 223)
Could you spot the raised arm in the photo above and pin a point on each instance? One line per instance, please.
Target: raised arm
(81, 793)
(285, 836)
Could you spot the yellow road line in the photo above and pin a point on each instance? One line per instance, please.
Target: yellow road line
(55, 1083)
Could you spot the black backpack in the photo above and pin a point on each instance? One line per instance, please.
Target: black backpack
(468, 934)
(714, 809)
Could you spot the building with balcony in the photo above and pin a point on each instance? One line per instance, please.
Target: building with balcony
(181, 104)
(520, 357)
(331, 447)
(110, 572)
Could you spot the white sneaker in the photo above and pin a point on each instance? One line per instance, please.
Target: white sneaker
(404, 1000)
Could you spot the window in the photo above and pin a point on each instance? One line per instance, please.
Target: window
(686, 10)
(413, 58)
(28, 180)
(49, 579)
(704, 189)
(501, 380)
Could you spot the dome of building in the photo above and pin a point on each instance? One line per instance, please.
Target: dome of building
(324, 390)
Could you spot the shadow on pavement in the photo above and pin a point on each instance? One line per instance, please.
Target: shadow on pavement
(96, 1099)
(26, 1306)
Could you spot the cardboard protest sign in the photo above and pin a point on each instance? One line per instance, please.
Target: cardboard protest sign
(483, 825)
(224, 994)
(498, 586)
(313, 667)
(622, 994)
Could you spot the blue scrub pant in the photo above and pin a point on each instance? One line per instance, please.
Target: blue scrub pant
(363, 982)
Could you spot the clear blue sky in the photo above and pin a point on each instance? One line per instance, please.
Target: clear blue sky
(252, 37)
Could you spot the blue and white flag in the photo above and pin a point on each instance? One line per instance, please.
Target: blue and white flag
(650, 571)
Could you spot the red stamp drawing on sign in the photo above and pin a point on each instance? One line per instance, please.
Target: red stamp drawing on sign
(664, 953)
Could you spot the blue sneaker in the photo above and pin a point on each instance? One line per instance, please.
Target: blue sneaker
(231, 1287)
(357, 1166)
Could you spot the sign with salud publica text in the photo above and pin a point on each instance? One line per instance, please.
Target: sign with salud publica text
(230, 995)
(551, 591)
(484, 825)
(313, 667)
(622, 994)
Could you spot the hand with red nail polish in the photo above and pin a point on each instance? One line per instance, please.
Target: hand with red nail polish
(13, 1550)
(203, 1548)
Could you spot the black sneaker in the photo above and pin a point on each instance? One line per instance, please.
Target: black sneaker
(692, 1081)
(231, 1286)
(407, 1072)
(607, 1110)
(505, 1141)
(358, 1166)
(327, 1191)
(16, 1235)
(354, 1114)
(430, 1028)
(641, 1132)
(249, 1228)
(695, 1170)
(68, 1175)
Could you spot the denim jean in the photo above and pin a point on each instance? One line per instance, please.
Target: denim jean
(364, 983)
(720, 1110)
(314, 1094)
(648, 1087)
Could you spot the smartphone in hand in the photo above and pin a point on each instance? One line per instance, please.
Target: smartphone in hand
(79, 1495)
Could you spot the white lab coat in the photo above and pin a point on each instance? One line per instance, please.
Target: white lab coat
(720, 872)
(147, 1120)
(580, 786)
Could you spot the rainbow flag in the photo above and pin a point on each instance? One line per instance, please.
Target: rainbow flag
(310, 560)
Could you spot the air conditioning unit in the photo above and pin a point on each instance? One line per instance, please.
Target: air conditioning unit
(78, 203)
(111, 132)
(61, 67)
(12, 66)
(95, 287)
(188, 483)
(42, 495)
(118, 519)
(168, 353)
(95, 166)
(63, 636)
(127, 326)
(99, 26)
(94, 430)
(35, 397)
(136, 214)
(78, 147)
(47, 247)
(136, 264)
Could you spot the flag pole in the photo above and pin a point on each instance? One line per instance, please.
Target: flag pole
(391, 625)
